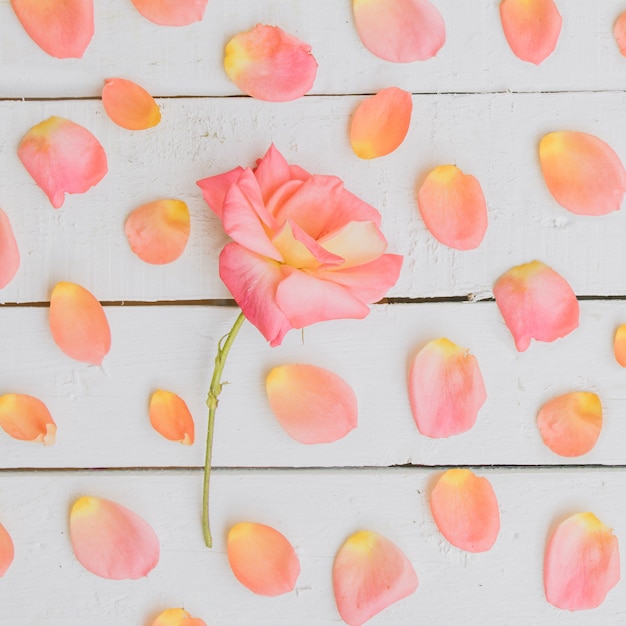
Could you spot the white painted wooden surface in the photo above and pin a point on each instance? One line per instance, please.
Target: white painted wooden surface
(475, 105)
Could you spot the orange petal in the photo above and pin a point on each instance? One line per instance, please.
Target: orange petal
(531, 27)
(619, 30)
(380, 123)
(171, 12)
(26, 418)
(536, 303)
(177, 617)
(581, 563)
(262, 559)
(582, 172)
(270, 64)
(619, 345)
(7, 551)
(129, 105)
(158, 231)
(570, 424)
(110, 540)
(400, 30)
(170, 417)
(446, 389)
(453, 207)
(62, 157)
(369, 574)
(62, 28)
(78, 323)
(312, 404)
(9, 252)
(465, 510)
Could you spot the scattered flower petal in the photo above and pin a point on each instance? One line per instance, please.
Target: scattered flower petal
(129, 105)
(269, 64)
(619, 345)
(370, 573)
(177, 617)
(27, 418)
(9, 252)
(262, 559)
(446, 389)
(453, 207)
(62, 157)
(110, 540)
(158, 231)
(62, 29)
(465, 509)
(531, 27)
(583, 173)
(171, 12)
(312, 404)
(400, 30)
(581, 563)
(381, 122)
(536, 303)
(619, 30)
(7, 550)
(570, 424)
(78, 323)
(170, 417)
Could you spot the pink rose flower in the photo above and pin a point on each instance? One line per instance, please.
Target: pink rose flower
(304, 248)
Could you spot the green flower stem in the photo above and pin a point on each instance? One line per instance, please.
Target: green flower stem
(223, 348)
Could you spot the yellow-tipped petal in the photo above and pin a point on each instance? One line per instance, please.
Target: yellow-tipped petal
(177, 617)
(170, 417)
(171, 12)
(7, 550)
(27, 418)
(619, 345)
(129, 105)
(9, 252)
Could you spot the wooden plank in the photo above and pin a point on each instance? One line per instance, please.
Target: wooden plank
(493, 137)
(188, 61)
(102, 412)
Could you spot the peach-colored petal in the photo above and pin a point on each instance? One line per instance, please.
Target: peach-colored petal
(170, 417)
(570, 424)
(27, 418)
(381, 122)
(619, 345)
(453, 207)
(61, 28)
(536, 303)
(446, 389)
(110, 540)
(78, 323)
(312, 404)
(262, 559)
(158, 231)
(171, 12)
(270, 64)
(582, 172)
(62, 157)
(129, 105)
(619, 30)
(465, 509)
(7, 551)
(531, 27)
(9, 252)
(369, 574)
(177, 617)
(581, 563)
(400, 30)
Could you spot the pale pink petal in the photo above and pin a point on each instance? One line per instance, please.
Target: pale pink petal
(262, 559)
(446, 389)
(370, 573)
(465, 509)
(27, 418)
(177, 617)
(62, 28)
(78, 323)
(531, 27)
(619, 345)
(129, 105)
(170, 417)
(9, 252)
(270, 64)
(312, 404)
(7, 551)
(536, 303)
(62, 157)
(171, 12)
(381, 122)
(453, 207)
(273, 171)
(357, 243)
(215, 188)
(581, 563)
(158, 231)
(570, 424)
(400, 30)
(582, 172)
(619, 30)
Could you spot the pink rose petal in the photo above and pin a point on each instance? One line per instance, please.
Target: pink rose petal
(27, 418)
(619, 30)
(9, 252)
(619, 345)
(7, 550)
(171, 12)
